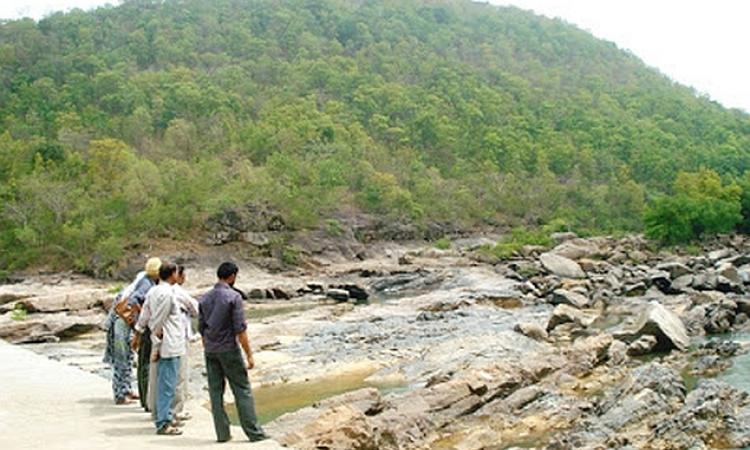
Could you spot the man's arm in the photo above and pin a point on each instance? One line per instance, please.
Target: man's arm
(240, 329)
(144, 316)
(160, 314)
(141, 324)
(187, 302)
(139, 293)
(245, 344)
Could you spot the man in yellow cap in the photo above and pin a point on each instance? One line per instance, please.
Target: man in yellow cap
(118, 350)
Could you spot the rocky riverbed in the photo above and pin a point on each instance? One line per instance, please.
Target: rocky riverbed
(594, 343)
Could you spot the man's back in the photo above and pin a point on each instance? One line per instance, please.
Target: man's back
(221, 318)
(167, 319)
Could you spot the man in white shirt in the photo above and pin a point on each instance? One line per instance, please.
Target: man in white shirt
(167, 327)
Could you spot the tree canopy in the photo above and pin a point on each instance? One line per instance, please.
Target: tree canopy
(141, 119)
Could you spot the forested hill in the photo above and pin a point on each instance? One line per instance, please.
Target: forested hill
(142, 119)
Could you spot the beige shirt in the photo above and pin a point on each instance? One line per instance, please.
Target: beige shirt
(166, 319)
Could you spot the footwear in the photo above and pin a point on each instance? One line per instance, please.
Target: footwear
(225, 440)
(124, 401)
(176, 423)
(169, 430)
(183, 416)
(132, 396)
(259, 438)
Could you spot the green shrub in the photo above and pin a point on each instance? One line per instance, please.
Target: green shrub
(443, 243)
(19, 312)
(701, 206)
(334, 228)
(290, 256)
(512, 243)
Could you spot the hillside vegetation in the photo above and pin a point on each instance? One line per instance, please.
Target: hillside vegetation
(141, 120)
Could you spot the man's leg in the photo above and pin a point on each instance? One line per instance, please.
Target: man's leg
(122, 368)
(153, 378)
(165, 390)
(216, 388)
(236, 373)
(180, 396)
(144, 360)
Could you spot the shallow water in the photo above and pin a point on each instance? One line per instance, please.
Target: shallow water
(739, 374)
(256, 314)
(274, 401)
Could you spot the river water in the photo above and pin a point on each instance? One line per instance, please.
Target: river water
(739, 374)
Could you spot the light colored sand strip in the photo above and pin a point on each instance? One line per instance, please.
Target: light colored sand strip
(46, 405)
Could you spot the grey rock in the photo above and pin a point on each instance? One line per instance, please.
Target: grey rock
(661, 323)
(577, 249)
(561, 266)
(706, 281)
(340, 295)
(662, 280)
(532, 330)
(682, 284)
(618, 352)
(724, 284)
(635, 290)
(47, 327)
(563, 236)
(744, 274)
(675, 269)
(720, 316)
(567, 314)
(642, 346)
(729, 271)
(719, 254)
(566, 297)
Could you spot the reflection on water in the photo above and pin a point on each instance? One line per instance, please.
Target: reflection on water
(273, 401)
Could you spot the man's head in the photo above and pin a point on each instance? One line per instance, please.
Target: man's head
(168, 273)
(181, 274)
(227, 272)
(152, 268)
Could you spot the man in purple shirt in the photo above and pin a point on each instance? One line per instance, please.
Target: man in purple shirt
(222, 325)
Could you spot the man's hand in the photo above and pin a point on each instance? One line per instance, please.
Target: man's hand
(136, 342)
(155, 357)
(250, 362)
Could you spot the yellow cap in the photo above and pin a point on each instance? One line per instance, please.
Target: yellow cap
(152, 267)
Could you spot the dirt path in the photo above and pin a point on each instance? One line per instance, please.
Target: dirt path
(48, 405)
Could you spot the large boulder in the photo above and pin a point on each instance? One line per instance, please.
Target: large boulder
(46, 327)
(77, 300)
(577, 249)
(663, 324)
(561, 266)
(339, 428)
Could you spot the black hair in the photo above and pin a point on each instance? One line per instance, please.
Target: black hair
(180, 269)
(166, 270)
(226, 270)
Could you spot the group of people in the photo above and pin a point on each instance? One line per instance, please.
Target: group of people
(152, 317)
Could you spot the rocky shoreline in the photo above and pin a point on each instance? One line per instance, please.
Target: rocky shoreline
(593, 343)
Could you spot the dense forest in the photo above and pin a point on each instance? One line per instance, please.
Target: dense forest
(143, 119)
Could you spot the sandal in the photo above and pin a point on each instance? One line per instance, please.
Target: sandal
(133, 396)
(169, 430)
(124, 401)
(176, 423)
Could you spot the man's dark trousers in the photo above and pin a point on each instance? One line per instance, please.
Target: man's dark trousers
(144, 360)
(230, 366)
